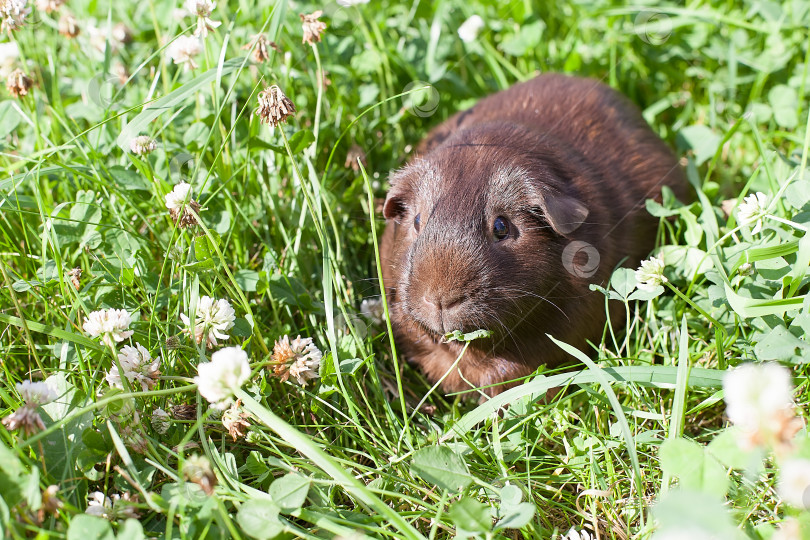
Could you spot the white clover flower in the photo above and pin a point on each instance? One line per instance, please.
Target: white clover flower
(13, 14)
(790, 529)
(752, 210)
(794, 483)
(574, 534)
(99, 505)
(9, 53)
(746, 269)
(121, 33)
(202, 9)
(142, 145)
(182, 208)
(68, 26)
(183, 50)
(759, 401)
(49, 6)
(212, 320)
(111, 508)
(350, 3)
(218, 379)
(179, 196)
(117, 36)
(111, 324)
(469, 29)
(161, 421)
(651, 274)
(98, 38)
(300, 359)
(35, 393)
(139, 368)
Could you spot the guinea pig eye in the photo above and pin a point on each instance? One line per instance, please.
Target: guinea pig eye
(500, 228)
(417, 222)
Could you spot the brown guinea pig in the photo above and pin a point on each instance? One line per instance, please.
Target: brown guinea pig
(508, 213)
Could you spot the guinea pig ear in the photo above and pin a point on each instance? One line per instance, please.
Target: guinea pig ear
(396, 201)
(394, 207)
(564, 213)
(401, 190)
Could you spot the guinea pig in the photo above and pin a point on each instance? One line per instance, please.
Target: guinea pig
(506, 215)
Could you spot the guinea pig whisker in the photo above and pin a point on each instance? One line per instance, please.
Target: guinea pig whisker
(535, 295)
(507, 333)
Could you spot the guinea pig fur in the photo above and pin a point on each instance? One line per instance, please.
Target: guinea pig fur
(507, 214)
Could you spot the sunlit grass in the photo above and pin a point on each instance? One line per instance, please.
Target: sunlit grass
(287, 234)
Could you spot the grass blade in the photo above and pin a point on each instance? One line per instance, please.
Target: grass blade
(51, 331)
(304, 444)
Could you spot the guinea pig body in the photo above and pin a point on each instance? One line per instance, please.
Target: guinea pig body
(507, 214)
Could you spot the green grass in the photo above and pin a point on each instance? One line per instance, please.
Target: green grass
(288, 236)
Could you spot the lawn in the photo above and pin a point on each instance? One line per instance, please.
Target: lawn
(191, 209)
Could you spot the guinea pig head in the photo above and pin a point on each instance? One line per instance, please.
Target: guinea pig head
(480, 226)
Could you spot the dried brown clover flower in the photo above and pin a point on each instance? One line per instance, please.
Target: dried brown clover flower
(260, 45)
(173, 342)
(235, 420)
(26, 419)
(352, 155)
(197, 469)
(180, 205)
(50, 502)
(122, 33)
(186, 219)
(184, 411)
(68, 26)
(75, 276)
(274, 106)
(18, 83)
(312, 27)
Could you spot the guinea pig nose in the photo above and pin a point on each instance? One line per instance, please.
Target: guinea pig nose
(443, 301)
